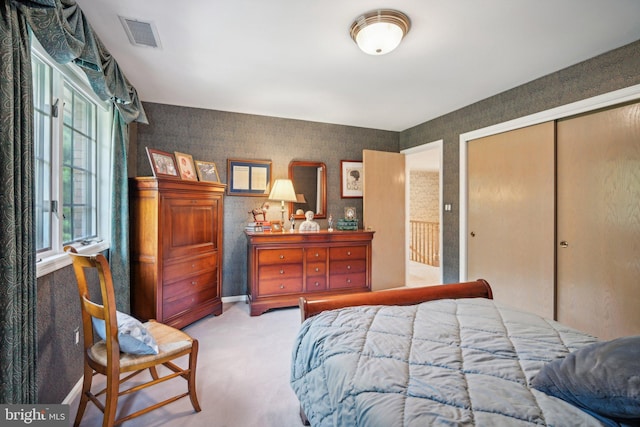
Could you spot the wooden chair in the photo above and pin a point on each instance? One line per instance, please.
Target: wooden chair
(104, 356)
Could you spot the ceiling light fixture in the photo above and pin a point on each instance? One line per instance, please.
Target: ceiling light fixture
(381, 31)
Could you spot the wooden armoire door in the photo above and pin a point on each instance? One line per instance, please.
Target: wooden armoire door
(598, 290)
(511, 216)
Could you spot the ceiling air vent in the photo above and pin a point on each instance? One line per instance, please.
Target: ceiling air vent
(140, 33)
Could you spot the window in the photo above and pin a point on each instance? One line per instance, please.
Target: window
(72, 153)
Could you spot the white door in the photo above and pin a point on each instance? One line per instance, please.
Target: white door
(384, 212)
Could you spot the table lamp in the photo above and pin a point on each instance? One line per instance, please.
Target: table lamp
(283, 191)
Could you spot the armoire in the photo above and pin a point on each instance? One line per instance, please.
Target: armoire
(553, 219)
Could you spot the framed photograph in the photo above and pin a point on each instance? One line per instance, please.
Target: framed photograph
(186, 167)
(248, 177)
(163, 164)
(276, 227)
(207, 171)
(350, 213)
(351, 179)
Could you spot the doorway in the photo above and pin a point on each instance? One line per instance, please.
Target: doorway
(423, 168)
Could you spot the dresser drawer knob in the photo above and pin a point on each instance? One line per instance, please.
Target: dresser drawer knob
(281, 271)
(281, 286)
(317, 269)
(193, 266)
(317, 254)
(348, 267)
(348, 253)
(317, 284)
(348, 280)
(194, 283)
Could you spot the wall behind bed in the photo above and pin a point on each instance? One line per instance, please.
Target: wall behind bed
(608, 72)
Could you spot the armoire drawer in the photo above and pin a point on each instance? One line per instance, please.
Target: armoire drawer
(179, 270)
(183, 302)
(190, 285)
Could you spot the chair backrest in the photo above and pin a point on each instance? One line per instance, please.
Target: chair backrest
(106, 311)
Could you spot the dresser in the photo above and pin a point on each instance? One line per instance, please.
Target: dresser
(176, 249)
(281, 267)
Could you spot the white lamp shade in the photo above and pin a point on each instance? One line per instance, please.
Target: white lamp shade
(379, 38)
(283, 191)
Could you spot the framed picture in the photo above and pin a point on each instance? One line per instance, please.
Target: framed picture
(207, 171)
(350, 213)
(248, 177)
(185, 166)
(276, 227)
(163, 164)
(351, 179)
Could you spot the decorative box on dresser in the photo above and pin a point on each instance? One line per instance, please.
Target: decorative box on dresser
(281, 267)
(176, 249)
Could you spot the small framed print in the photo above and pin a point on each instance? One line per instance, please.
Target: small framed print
(163, 164)
(186, 167)
(351, 179)
(276, 226)
(350, 213)
(207, 171)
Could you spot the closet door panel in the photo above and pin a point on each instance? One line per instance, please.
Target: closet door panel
(511, 216)
(599, 222)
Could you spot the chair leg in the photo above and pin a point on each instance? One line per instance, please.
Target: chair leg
(111, 400)
(84, 396)
(193, 359)
(154, 372)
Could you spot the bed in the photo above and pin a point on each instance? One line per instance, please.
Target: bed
(451, 355)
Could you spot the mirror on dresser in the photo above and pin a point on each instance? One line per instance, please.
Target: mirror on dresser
(310, 182)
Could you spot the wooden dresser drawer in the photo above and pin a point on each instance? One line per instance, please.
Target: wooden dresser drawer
(284, 285)
(316, 284)
(344, 281)
(316, 254)
(348, 252)
(279, 256)
(316, 268)
(179, 270)
(349, 266)
(276, 272)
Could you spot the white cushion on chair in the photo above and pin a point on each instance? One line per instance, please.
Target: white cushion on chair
(132, 335)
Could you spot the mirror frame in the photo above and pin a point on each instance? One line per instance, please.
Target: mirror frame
(323, 190)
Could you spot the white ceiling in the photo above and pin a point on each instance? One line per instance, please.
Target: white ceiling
(295, 59)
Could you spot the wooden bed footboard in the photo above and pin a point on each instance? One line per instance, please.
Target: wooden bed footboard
(310, 306)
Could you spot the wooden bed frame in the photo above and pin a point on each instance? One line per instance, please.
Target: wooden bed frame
(310, 306)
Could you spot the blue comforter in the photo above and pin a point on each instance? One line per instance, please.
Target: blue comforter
(445, 362)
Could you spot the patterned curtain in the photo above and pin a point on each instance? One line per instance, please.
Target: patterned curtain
(66, 35)
(18, 339)
(64, 32)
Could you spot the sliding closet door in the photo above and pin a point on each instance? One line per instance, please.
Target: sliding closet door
(511, 216)
(599, 222)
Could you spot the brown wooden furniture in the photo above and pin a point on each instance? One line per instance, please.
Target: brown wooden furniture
(281, 267)
(104, 356)
(176, 249)
(312, 305)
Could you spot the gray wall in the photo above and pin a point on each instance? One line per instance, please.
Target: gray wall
(611, 71)
(217, 136)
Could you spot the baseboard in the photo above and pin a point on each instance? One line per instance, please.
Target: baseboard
(236, 298)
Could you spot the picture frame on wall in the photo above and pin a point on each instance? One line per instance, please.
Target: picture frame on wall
(248, 177)
(163, 164)
(207, 171)
(351, 176)
(186, 166)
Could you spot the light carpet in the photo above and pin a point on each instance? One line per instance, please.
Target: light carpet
(242, 375)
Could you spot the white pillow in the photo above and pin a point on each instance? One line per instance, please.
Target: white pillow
(132, 335)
